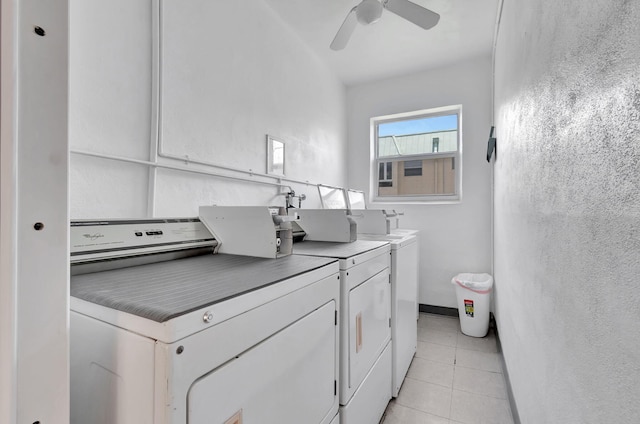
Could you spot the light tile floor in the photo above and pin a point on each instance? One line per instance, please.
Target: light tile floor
(453, 379)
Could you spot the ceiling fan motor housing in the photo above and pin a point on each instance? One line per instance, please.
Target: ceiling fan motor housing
(369, 11)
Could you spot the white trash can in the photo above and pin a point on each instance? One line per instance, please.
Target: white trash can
(474, 301)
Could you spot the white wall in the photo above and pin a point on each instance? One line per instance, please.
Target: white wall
(454, 237)
(567, 208)
(231, 73)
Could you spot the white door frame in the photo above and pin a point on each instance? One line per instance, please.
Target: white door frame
(34, 221)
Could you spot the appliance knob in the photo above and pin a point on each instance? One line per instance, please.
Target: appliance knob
(207, 317)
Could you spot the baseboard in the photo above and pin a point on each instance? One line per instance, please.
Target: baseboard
(512, 402)
(438, 310)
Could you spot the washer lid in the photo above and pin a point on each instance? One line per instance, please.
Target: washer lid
(166, 290)
(336, 250)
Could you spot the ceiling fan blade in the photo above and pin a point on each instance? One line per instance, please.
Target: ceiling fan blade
(344, 33)
(420, 16)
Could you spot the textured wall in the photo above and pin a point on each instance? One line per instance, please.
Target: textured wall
(567, 208)
(232, 72)
(454, 237)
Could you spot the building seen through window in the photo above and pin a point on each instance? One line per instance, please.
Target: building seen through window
(416, 156)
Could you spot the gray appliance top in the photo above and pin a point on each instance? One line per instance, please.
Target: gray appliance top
(165, 290)
(336, 250)
(396, 240)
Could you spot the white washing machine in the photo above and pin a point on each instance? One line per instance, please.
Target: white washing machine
(365, 320)
(404, 300)
(165, 332)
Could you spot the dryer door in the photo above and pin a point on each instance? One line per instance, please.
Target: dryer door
(289, 378)
(369, 330)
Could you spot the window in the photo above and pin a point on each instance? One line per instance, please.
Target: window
(385, 174)
(416, 155)
(412, 168)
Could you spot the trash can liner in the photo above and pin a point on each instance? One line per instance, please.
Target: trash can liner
(467, 281)
(469, 287)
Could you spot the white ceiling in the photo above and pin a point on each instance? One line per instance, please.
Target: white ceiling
(392, 46)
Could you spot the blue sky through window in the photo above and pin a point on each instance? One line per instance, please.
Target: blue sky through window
(418, 126)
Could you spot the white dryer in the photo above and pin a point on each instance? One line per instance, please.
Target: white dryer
(404, 300)
(365, 319)
(165, 332)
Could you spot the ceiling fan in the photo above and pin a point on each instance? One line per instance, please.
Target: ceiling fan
(369, 11)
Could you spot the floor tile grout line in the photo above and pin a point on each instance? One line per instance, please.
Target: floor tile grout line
(475, 350)
(485, 354)
(423, 412)
(439, 344)
(449, 324)
(432, 342)
(455, 360)
(422, 358)
(480, 394)
(432, 382)
(429, 382)
(446, 326)
(456, 345)
(440, 331)
(477, 369)
(450, 399)
(439, 362)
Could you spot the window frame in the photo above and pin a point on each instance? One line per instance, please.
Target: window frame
(456, 155)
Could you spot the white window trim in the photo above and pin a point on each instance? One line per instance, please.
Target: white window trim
(422, 199)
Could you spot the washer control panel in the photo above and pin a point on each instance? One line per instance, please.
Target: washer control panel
(105, 239)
